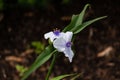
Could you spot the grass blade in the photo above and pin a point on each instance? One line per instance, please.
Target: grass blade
(41, 59)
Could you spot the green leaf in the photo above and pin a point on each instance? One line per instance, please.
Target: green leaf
(21, 69)
(31, 2)
(81, 16)
(85, 24)
(76, 20)
(41, 59)
(1, 4)
(75, 77)
(62, 76)
(65, 1)
(39, 46)
(72, 23)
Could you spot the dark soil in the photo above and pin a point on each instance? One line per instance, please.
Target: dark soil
(97, 48)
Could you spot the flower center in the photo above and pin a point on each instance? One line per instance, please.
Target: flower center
(56, 32)
(68, 44)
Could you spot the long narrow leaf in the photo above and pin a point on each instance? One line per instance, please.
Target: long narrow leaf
(42, 58)
(81, 16)
(72, 23)
(75, 77)
(85, 24)
(76, 20)
(62, 76)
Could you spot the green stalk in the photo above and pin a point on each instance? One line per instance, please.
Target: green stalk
(51, 66)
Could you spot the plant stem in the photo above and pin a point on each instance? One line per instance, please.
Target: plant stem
(51, 66)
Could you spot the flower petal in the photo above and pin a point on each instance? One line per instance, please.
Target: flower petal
(62, 34)
(68, 36)
(59, 44)
(49, 35)
(69, 53)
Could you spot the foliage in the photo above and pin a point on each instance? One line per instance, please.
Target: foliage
(62, 76)
(74, 76)
(39, 46)
(28, 3)
(76, 25)
(21, 69)
(66, 1)
(41, 59)
(1, 4)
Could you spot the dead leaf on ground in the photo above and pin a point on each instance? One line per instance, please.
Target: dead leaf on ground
(106, 52)
(27, 52)
(14, 59)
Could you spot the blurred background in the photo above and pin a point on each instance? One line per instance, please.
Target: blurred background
(24, 22)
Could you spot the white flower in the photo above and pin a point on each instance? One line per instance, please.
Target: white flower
(63, 44)
(53, 35)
